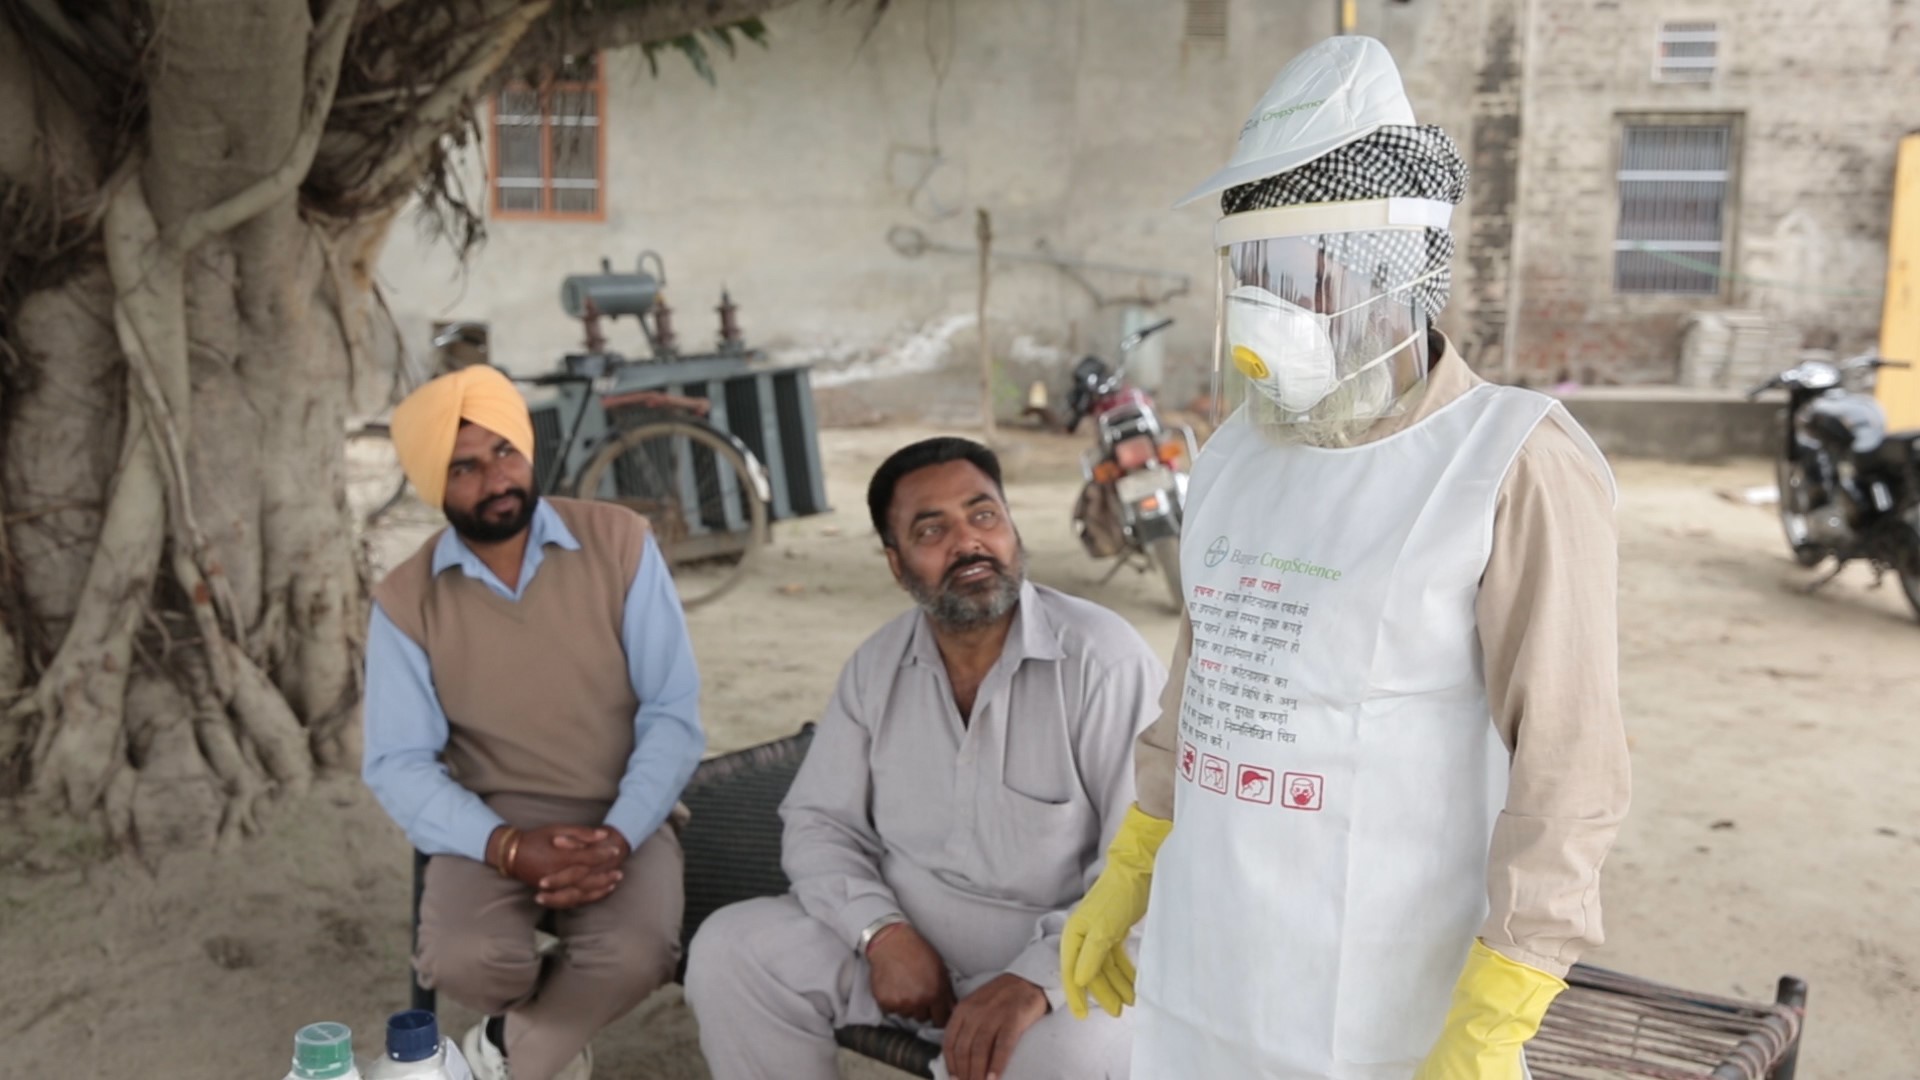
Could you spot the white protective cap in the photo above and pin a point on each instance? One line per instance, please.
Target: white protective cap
(1339, 91)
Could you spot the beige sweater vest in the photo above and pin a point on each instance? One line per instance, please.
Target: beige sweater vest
(536, 692)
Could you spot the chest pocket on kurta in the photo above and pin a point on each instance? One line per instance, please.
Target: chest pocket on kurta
(1033, 829)
(1029, 850)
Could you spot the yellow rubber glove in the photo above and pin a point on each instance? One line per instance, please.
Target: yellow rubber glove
(1497, 1006)
(1093, 947)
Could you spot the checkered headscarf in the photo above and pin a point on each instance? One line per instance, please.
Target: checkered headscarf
(1391, 163)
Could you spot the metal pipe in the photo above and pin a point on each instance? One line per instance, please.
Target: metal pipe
(1792, 993)
(912, 243)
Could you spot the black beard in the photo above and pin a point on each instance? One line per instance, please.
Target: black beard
(978, 605)
(478, 530)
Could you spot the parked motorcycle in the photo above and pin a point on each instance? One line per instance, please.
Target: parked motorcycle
(1848, 489)
(1136, 471)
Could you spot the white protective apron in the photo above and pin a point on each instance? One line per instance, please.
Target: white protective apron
(1338, 769)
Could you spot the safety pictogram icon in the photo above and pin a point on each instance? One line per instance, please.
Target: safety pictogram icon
(1301, 791)
(1189, 757)
(1213, 774)
(1254, 784)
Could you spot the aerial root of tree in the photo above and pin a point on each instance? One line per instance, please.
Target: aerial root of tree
(186, 303)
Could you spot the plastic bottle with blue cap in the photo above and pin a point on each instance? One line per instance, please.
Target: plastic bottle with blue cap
(416, 1051)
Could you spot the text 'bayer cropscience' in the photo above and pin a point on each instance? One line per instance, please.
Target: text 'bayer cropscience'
(1268, 560)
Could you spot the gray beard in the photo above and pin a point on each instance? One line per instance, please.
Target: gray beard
(963, 611)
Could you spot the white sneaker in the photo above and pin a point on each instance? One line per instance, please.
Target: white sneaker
(484, 1058)
(488, 1063)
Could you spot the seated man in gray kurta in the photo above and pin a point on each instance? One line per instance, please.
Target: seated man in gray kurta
(961, 789)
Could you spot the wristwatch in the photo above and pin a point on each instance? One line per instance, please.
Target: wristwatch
(873, 930)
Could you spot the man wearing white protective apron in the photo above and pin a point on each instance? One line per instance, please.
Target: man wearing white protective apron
(1395, 756)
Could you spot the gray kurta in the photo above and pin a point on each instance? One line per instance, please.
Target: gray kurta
(984, 833)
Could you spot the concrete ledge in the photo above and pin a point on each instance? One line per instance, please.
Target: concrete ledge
(1668, 423)
(1675, 424)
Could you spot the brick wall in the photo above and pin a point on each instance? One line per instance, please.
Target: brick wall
(1822, 91)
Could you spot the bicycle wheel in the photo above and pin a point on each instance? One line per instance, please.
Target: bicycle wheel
(693, 486)
(374, 481)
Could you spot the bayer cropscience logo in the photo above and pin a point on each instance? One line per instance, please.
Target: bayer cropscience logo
(1218, 551)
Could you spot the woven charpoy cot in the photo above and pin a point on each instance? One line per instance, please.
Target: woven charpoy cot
(1609, 1026)
(1605, 1027)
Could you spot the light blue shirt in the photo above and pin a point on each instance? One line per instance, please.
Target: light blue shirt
(406, 729)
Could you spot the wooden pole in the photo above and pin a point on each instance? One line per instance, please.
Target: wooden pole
(1899, 388)
(983, 232)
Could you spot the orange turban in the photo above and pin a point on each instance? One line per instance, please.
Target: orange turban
(426, 423)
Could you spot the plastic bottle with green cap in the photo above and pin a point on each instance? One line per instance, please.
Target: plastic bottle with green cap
(323, 1051)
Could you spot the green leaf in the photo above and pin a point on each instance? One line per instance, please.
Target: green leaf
(696, 54)
(753, 30)
(691, 47)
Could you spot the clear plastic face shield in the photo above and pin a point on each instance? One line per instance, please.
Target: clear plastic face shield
(1320, 329)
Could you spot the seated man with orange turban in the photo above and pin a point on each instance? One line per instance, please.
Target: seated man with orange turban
(532, 714)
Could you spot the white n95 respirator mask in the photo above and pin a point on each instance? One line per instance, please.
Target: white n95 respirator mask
(1287, 351)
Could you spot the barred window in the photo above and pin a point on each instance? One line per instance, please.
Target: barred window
(1686, 52)
(1674, 182)
(549, 145)
(1206, 20)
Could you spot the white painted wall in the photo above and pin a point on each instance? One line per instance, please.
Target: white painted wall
(1075, 123)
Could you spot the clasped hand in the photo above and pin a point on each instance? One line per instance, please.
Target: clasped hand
(569, 866)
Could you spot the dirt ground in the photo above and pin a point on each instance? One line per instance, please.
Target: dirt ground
(1775, 828)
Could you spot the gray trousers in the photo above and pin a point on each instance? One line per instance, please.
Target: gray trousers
(769, 984)
(477, 946)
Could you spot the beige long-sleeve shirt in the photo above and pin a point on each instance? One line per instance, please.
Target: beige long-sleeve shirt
(984, 831)
(1549, 637)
